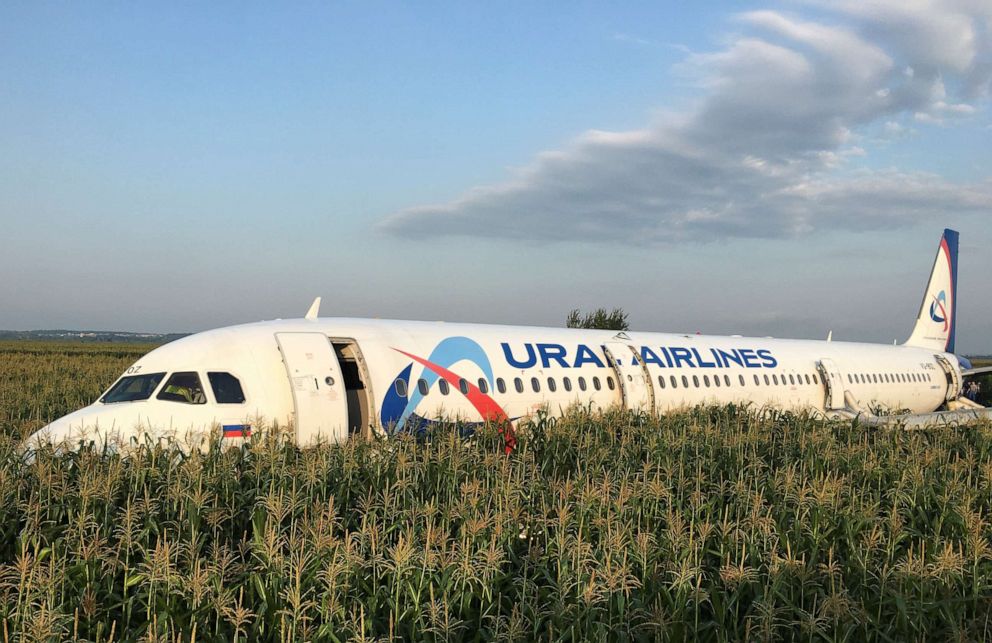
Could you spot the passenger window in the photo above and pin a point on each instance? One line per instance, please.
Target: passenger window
(518, 384)
(807, 379)
(400, 386)
(551, 385)
(706, 380)
(695, 381)
(595, 383)
(815, 380)
(609, 382)
(227, 388)
(582, 383)
(767, 381)
(685, 382)
(535, 384)
(675, 382)
(757, 382)
(422, 386)
(726, 380)
(442, 385)
(661, 381)
(463, 386)
(500, 385)
(185, 388)
(483, 385)
(742, 379)
(775, 378)
(792, 379)
(567, 383)
(849, 380)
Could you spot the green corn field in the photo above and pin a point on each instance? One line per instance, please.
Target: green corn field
(714, 524)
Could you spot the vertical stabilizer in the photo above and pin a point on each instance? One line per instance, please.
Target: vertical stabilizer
(938, 313)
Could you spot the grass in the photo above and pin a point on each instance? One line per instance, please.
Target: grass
(716, 524)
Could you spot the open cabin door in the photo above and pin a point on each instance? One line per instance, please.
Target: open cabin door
(833, 385)
(318, 387)
(953, 377)
(636, 389)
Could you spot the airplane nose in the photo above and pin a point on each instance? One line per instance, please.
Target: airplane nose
(115, 427)
(86, 424)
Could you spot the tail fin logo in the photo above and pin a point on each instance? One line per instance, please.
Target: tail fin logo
(938, 309)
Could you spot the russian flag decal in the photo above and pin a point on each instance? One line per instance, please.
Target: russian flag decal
(236, 430)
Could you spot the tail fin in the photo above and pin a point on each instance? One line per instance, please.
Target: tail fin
(938, 314)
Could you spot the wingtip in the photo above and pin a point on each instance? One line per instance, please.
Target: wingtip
(314, 310)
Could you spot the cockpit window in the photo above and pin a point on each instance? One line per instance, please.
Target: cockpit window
(183, 387)
(133, 388)
(227, 388)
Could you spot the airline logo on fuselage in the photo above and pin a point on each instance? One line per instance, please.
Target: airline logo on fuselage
(529, 355)
(399, 405)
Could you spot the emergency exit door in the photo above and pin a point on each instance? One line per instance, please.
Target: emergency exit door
(318, 387)
(632, 373)
(833, 385)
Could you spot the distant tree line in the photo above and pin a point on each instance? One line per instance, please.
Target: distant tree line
(615, 319)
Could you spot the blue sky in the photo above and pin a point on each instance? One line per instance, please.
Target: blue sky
(760, 168)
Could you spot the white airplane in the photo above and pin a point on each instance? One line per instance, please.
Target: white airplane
(331, 379)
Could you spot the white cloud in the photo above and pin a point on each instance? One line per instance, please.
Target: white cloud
(763, 153)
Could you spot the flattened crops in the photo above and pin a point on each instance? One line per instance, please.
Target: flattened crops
(717, 524)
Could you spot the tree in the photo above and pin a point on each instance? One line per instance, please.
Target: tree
(613, 320)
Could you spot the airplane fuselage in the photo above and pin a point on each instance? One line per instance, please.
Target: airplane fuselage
(332, 378)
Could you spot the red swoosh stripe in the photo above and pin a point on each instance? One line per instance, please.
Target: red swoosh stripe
(485, 405)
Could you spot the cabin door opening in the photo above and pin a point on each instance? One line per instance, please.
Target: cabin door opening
(952, 376)
(833, 385)
(358, 387)
(636, 390)
(315, 377)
